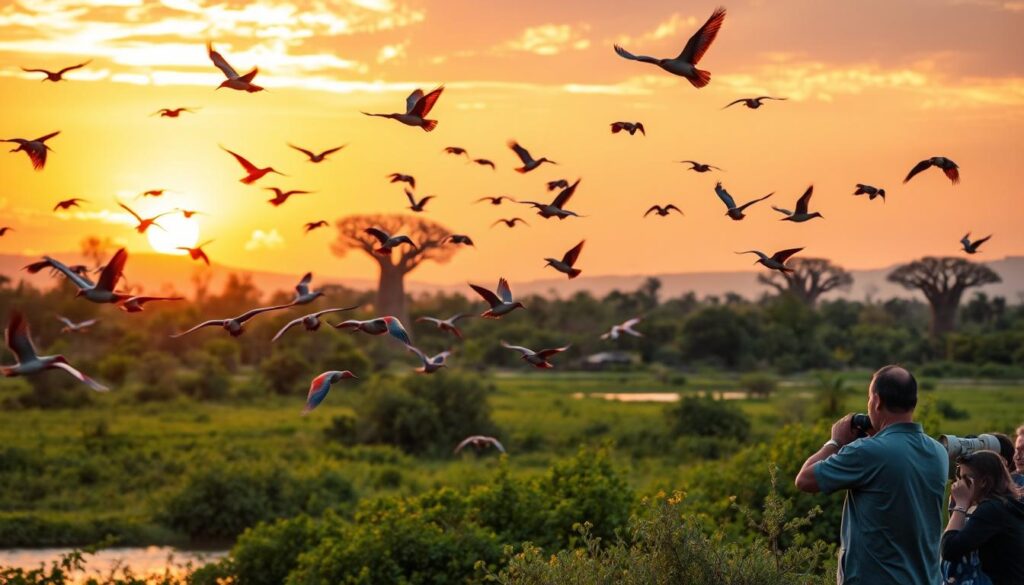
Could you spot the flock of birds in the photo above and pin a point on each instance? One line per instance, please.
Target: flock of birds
(500, 301)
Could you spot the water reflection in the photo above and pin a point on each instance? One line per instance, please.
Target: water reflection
(141, 561)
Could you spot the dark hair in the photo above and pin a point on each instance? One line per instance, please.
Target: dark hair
(896, 387)
(991, 476)
(1006, 449)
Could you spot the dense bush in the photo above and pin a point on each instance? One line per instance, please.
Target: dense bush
(707, 417)
(286, 372)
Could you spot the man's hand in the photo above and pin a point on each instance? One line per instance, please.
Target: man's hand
(842, 431)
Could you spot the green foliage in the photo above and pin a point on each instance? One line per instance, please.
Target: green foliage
(209, 381)
(286, 372)
(707, 417)
(758, 384)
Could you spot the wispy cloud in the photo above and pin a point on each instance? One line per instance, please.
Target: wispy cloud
(264, 240)
(674, 26)
(392, 52)
(550, 39)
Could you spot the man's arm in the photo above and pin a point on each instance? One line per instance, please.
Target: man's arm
(842, 433)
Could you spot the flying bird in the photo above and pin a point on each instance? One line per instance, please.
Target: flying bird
(800, 214)
(234, 80)
(776, 261)
(446, 324)
(430, 364)
(379, 326)
(188, 213)
(496, 200)
(313, 225)
(253, 173)
(624, 327)
(949, 167)
(100, 292)
(235, 326)
(556, 207)
(753, 103)
(870, 191)
(699, 167)
(281, 196)
(69, 203)
(539, 359)
(459, 239)
(72, 327)
(685, 64)
(304, 296)
(27, 362)
(510, 223)
(387, 241)
(317, 157)
(479, 442)
(631, 127)
(485, 163)
(400, 178)
(145, 223)
(417, 206)
(972, 247)
(417, 107)
(311, 321)
(56, 75)
(501, 304)
(559, 184)
(173, 112)
(35, 149)
(568, 262)
(197, 253)
(135, 304)
(663, 211)
(321, 385)
(152, 193)
(736, 213)
(4, 230)
(528, 161)
(456, 150)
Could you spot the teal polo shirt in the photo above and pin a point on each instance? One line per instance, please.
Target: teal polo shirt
(892, 517)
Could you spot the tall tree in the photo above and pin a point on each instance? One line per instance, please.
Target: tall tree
(943, 281)
(811, 278)
(428, 236)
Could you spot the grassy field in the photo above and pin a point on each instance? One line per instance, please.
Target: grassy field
(116, 463)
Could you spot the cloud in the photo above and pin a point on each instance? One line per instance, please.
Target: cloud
(675, 26)
(391, 52)
(550, 39)
(261, 240)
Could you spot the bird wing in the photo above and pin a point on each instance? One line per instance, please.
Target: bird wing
(733, 103)
(572, 255)
(18, 338)
(702, 39)
(753, 201)
(47, 137)
(290, 324)
(335, 310)
(497, 444)
(253, 312)
(423, 357)
(725, 196)
(465, 442)
(980, 242)
(88, 323)
(144, 299)
(410, 102)
(112, 271)
(565, 195)
(627, 55)
(35, 70)
(921, 166)
(760, 254)
(670, 207)
(220, 62)
(504, 290)
(485, 162)
(768, 97)
(783, 255)
(73, 67)
(332, 150)
(520, 220)
(522, 153)
(653, 208)
(491, 298)
(302, 150)
(381, 235)
(80, 376)
(79, 281)
(782, 211)
(71, 324)
(805, 200)
(426, 103)
(546, 353)
(211, 322)
(966, 240)
(433, 320)
(129, 210)
(303, 286)
(631, 323)
(412, 199)
(248, 166)
(519, 348)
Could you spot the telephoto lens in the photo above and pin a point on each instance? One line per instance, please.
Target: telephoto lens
(860, 424)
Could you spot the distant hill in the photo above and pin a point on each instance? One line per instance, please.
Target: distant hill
(164, 273)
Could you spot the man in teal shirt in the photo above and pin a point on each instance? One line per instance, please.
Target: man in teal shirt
(895, 480)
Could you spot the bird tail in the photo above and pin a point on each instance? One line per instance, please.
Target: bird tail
(703, 78)
(574, 273)
(521, 170)
(429, 125)
(382, 251)
(249, 180)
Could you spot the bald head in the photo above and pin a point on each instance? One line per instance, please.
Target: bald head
(896, 388)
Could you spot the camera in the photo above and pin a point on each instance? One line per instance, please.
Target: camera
(860, 424)
(959, 446)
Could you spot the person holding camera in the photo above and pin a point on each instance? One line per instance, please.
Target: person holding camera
(995, 527)
(895, 480)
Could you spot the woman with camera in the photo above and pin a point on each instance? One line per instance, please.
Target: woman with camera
(995, 527)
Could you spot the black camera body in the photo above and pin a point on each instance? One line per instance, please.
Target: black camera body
(860, 424)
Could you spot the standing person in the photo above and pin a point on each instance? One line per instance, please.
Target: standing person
(895, 481)
(1018, 457)
(995, 528)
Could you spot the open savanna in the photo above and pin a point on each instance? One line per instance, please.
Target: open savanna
(117, 467)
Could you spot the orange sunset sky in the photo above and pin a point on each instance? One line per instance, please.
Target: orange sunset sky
(873, 88)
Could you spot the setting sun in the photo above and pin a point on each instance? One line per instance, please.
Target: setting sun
(178, 232)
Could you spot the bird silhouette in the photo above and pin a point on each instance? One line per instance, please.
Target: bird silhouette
(448, 325)
(529, 163)
(776, 261)
(321, 385)
(568, 262)
(35, 149)
(557, 206)
(311, 321)
(314, 225)
(559, 184)
(400, 178)
(304, 296)
(459, 239)
(456, 150)
(417, 107)
(102, 291)
(197, 253)
(417, 206)
(145, 223)
(235, 326)
(699, 167)
(135, 304)
(501, 301)
(870, 191)
(479, 442)
(631, 127)
(972, 247)
(234, 80)
(379, 326)
(538, 359)
(496, 200)
(253, 173)
(430, 364)
(4, 230)
(753, 103)
(624, 327)
(663, 211)
(736, 213)
(281, 196)
(69, 203)
(28, 362)
(485, 163)
(800, 214)
(317, 157)
(948, 167)
(73, 327)
(511, 223)
(56, 75)
(387, 241)
(685, 64)
(173, 112)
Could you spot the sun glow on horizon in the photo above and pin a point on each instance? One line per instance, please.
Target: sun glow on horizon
(178, 232)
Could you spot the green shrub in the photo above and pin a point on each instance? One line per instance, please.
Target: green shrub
(286, 372)
(706, 417)
(210, 381)
(758, 384)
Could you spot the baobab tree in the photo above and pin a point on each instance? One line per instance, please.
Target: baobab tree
(811, 278)
(943, 281)
(428, 236)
